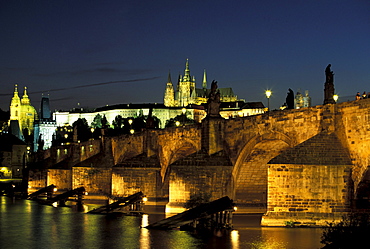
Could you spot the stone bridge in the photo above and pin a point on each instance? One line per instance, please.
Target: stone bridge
(300, 165)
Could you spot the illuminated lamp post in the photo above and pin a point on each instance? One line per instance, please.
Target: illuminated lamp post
(268, 95)
(130, 123)
(335, 97)
(183, 110)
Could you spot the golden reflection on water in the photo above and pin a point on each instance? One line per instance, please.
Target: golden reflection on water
(144, 233)
(235, 239)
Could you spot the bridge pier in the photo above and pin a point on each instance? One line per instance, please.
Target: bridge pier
(199, 173)
(310, 184)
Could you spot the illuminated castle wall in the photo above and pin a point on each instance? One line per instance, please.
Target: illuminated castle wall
(186, 92)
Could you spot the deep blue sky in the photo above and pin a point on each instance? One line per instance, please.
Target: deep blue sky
(247, 45)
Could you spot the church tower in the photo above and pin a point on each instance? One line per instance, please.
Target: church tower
(22, 111)
(186, 87)
(169, 94)
(15, 105)
(28, 113)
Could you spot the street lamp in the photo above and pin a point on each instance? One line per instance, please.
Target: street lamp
(130, 123)
(268, 94)
(183, 116)
(335, 97)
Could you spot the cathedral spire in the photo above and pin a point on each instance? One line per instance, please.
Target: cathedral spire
(169, 94)
(187, 71)
(169, 77)
(15, 99)
(25, 99)
(16, 91)
(204, 80)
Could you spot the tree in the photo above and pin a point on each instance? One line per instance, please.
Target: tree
(118, 122)
(104, 123)
(351, 232)
(97, 122)
(82, 128)
(179, 120)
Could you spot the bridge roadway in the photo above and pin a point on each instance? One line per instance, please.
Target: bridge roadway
(229, 157)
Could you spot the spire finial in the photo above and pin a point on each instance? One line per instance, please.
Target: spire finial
(187, 70)
(204, 80)
(16, 91)
(169, 77)
(25, 100)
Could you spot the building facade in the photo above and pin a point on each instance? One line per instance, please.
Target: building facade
(301, 101)
(22, 111)
(14, 154)
(45, 126)
(186, 92)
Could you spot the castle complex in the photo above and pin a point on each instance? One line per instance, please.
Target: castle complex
(185, 100)
(186, 92)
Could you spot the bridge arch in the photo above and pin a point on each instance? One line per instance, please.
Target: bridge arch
(171, 152)
(250, 169)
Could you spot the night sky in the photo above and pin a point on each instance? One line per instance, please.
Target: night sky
(100, 53)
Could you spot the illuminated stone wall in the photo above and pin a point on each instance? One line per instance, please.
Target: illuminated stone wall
(354, 121)
(187, 180)
(251, 183)
(95, 180)
(61, 178)
(36, 179)
(309, 184)
(127, 181)
(126, 146)
(248, 142)
(307, 195)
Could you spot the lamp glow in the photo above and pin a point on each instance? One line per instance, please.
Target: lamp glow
(268, 95)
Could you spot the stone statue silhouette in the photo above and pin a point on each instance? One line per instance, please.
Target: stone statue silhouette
(329, 74)
(329, 86)
(290, 99)
(213, 102)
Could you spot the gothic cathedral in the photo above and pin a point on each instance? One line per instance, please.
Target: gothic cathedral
(186, 93)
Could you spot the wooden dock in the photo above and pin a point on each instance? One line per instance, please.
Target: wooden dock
(218, 211)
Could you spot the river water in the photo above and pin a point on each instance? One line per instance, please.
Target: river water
(27, 224)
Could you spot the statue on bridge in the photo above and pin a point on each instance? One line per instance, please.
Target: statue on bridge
(329, 86)
(290, 99)
(213, 102)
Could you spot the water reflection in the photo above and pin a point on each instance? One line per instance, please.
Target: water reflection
(26, 224)
(235, 239)
(144, 233)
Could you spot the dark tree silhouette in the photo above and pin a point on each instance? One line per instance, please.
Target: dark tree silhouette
(82, 128)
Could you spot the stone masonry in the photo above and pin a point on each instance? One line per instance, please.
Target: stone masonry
(248, 144)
